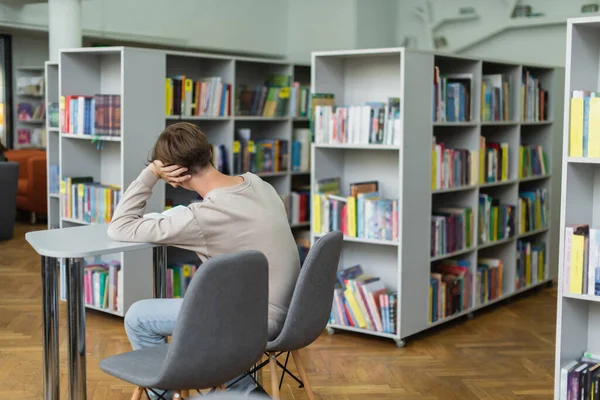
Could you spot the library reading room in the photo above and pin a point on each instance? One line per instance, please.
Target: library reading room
(398, 194)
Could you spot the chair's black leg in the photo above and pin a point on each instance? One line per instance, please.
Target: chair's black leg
(285, 370)
(287, 357)
(160, 396)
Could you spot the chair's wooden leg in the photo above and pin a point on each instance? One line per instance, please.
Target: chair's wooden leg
(274, 380)
(221, 388)
(303, 376)
(137, 394)
(185, 394)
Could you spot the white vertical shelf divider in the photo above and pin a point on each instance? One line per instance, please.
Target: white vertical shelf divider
(52, 142)
(404, 171)
(578, 315)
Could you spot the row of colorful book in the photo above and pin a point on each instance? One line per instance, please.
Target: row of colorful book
(259, 156)
(453, 167)
(581, 264)
(363, 214)
(178, 279)
(269, 100)
(451, 283)
(532, 209)
(98, 115)
(297, 205)
(450, 288)
(300, 100)
(496, 220)
(53, 179)
(584, 124)
(88, 201)
(367, 123)
(451, 97)
(534, 98)
(451, 229)
(533, 161)
(531, 263)
(493, 161)
(205, 97)
(31, 112)
(103, 285)
(363, 302)
(496, 98)
(580, 378)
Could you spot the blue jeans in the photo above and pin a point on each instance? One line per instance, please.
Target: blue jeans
(149, 322)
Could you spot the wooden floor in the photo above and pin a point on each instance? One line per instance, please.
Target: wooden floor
(506, 352)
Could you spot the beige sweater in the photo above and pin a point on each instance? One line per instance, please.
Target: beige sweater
(248, 216)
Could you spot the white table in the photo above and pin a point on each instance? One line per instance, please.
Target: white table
(73, 244)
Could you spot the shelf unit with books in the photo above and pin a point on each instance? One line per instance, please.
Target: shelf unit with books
(111, 157)
(459, 157)
(30, 109)
(91, 86)
(578, 311)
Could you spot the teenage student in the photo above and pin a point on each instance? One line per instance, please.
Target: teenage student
(237, 213)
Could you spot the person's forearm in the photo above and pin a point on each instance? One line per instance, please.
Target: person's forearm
(131, 208)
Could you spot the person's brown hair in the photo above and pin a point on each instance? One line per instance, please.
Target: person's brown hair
(183, 144)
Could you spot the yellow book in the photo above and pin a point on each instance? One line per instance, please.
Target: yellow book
(576, 278)
(504, 147)
(594, 128)
(528, 268)
(482, 159)
(349, 294)
(576, 127)
(474, 166)
(316, 213)
(351, 214)
(168, 96)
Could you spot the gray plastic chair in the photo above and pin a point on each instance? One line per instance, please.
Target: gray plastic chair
(310, 308)
(9, 179)
(221, 330)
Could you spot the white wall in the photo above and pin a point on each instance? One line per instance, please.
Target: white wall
(545, 45)
(376, 24)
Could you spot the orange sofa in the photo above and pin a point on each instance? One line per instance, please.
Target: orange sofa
(32, 193)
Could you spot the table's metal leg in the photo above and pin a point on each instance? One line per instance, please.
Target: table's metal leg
(159, 258)
(76, 326)
(50, 315)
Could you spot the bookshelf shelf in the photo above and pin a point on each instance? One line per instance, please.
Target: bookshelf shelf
(90, 137)
(427, 195)
(498, 183)
(365, 331)
(195, 118)
(578, 311)
(366, 241)
(74, 221)
(452, 254)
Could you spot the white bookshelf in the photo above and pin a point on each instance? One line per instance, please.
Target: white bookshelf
(36, 126)
(90, 71)
(136, 75)
(404, 171)
(578, 315)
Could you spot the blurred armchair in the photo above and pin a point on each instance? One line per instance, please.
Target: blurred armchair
(32, 193)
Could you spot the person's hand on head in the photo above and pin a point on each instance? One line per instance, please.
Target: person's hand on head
(172, 174)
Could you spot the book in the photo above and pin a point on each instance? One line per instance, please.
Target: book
(451, 229)
(496, 220)
(364, 123)
(496, 104)
(450, 288)
(259, 156)
(532, 210)
(453, 167)
(452, 94)
(363, 301)
(531, 266)
(272, 99)
(363, 213)
(533, 161)
(88, 201)
(98, 115)
(584, 124)
(495, 161)
(534, 98)
(205, 97)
